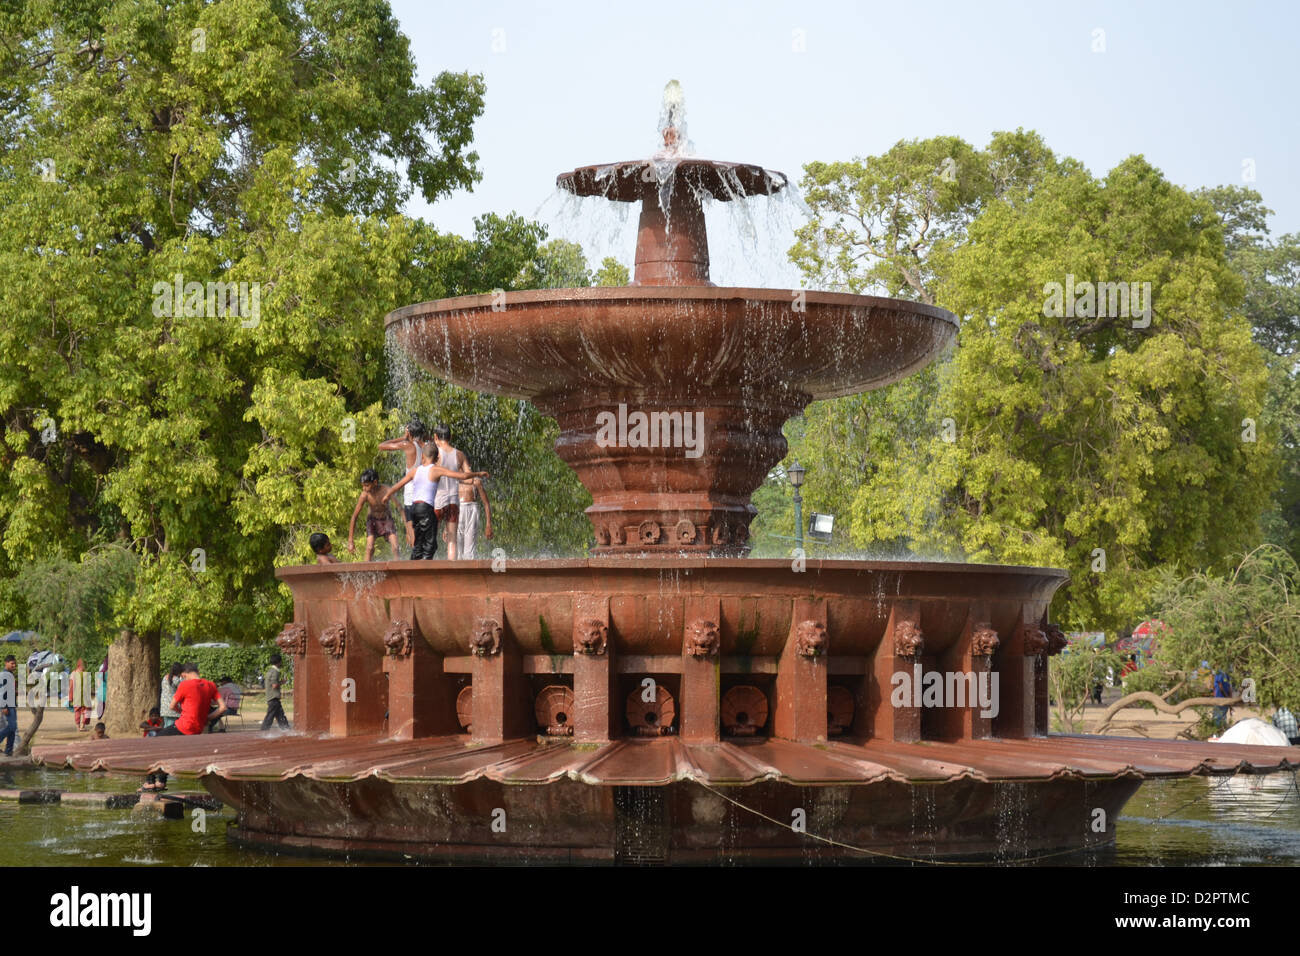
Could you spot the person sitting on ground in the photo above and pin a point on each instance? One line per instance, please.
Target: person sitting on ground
(100, 732)
(411, 444)
(379, 521)
(194, 701)
(320, 543)
(151, 725)
(425, 481)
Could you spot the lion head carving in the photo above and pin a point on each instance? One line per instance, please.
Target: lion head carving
(908, 639)
(399, 638)
(984, 641)
(810, 639)
(592, 636)
(486, 639)
(1035, 641)
(702, 638)
(335, 639)
(293, 639)
(1056, 641)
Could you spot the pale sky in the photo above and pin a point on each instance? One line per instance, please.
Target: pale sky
(1208, 93)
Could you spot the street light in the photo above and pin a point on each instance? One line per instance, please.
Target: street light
(795, 473)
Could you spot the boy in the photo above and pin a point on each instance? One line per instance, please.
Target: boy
(100, 732)
(424, 482)
(320, 543)
(471, 492)
(274, 709)
(379, 521)
(409, 443)
(446, 503)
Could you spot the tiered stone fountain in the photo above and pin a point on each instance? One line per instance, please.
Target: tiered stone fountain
(667, 698)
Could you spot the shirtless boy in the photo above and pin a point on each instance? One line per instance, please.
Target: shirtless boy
(471, 493)
(379, 521)
(320, 543)
(410, 443)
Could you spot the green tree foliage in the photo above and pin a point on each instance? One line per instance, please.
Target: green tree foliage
(1045, 439)
(1271, 272)
(246, 141)
(72, 603)
(1246, 621)
(611, 273)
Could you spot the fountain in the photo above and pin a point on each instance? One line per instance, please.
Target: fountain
(667, 698)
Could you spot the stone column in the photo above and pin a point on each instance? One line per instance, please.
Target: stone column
(502, 708)
(801, 676)
(1018, 664)
(971, 658)
(594, 685)
(701, 670)
(421, 701)
(899, 652)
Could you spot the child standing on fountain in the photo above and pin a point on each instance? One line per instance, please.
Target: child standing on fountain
(379, 521)
(446, 503)
(410, 444)
(425, 485)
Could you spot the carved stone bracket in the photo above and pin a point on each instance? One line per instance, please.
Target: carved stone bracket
(810, 639)
(908, 639)
(702, 638)
(399, 638)
(334, 639)
(649, 532)
(486, 639)
(593, 635)
(984, 641)
(293, 639)
(684, 532)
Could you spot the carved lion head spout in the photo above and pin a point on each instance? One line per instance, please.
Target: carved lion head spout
(1035, 641)
(908, 639)
(702, 638)
(486, 639)
(334, 639)
(591, 637)
(399, 637)
(293, 639)
(810, 639)
(984, 641)
(1056, 640)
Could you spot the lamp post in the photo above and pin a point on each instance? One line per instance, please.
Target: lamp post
(795, 473)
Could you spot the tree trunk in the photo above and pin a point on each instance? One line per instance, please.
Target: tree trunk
(133, 682)
(25, 744)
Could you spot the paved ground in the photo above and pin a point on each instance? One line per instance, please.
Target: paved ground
(58, 727)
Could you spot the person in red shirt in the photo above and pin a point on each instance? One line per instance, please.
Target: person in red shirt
(193, 701)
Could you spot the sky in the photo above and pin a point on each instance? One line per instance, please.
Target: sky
(1206, 92)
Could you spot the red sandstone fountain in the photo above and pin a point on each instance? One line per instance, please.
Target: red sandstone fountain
(666, 698)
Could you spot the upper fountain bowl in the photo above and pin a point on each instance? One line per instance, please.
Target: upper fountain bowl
(630, 181)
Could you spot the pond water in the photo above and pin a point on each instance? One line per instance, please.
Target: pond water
(1193, 821)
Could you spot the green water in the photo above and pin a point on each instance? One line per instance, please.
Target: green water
(1192, 821)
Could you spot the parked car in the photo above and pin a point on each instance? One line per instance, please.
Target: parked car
(40, 661)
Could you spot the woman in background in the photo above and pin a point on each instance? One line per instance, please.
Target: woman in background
(169, 685)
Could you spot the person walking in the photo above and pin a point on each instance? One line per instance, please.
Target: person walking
(9, 704)
(274, 709)
(170, 684)
(80, 696)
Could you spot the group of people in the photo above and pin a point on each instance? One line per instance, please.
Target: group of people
(439, 487)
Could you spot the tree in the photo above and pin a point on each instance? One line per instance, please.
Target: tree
(611, 273)
(1054, 436)
(1246, 621)
(251, 141)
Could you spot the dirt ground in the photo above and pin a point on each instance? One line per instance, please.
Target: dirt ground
(1145, 722)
